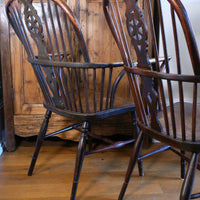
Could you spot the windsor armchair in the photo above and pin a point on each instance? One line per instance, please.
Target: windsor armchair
(176, 121)
(72, 86)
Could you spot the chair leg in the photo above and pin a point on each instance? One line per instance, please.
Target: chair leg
(136, 150)
(140, 164)
(187, 186)
(183, 162)
(39, 141)
(79, 159)
(135, 134)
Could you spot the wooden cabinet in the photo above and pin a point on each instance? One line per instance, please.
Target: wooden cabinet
(22, 96)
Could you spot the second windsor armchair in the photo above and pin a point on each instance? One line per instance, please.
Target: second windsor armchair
(176, 121)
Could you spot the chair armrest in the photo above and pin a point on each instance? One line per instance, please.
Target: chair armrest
(50, 63)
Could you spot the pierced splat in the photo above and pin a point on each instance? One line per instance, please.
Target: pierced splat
(138, 33)
(34, 26)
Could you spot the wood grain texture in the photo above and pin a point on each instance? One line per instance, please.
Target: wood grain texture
(26, 125)
(101, 178)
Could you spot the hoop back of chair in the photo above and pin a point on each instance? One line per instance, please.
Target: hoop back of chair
(159, 79)
(45, 30)
(57, 51)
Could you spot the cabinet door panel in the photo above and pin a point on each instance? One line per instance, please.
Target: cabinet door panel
(27, 94)
(100, 42)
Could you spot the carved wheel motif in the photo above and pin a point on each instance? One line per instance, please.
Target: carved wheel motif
(139, 37)
(138, 32)
(34, 26)
(32, 20)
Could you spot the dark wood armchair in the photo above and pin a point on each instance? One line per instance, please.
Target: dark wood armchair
(165, 110)
(72, 86)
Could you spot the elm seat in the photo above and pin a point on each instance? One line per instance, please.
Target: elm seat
(188, 119)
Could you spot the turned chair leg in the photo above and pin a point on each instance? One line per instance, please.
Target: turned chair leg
(183, 163)
(140, 164)
(135, 134)
(79, 159)
(39, 141)
(136, 150)
(187, 186)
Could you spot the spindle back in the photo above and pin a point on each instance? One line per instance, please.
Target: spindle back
(168, 80)
(53, 40)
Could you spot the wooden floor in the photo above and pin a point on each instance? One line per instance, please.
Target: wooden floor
(101, 178)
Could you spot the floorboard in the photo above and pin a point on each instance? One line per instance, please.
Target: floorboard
(101, 178)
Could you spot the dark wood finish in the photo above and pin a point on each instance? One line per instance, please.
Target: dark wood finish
(51, 36)
(115, 21)
(174, 124)
(39, 141)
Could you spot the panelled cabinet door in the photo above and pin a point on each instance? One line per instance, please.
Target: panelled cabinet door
(23, 98)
